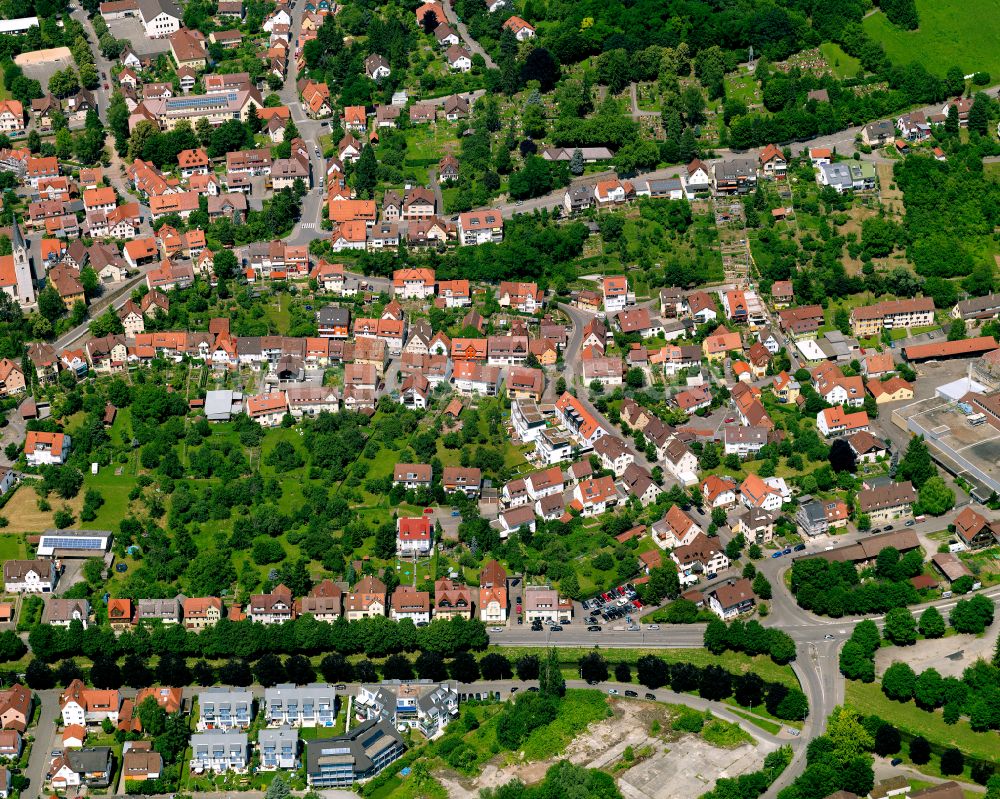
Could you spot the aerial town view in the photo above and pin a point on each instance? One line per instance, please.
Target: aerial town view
(500, 399)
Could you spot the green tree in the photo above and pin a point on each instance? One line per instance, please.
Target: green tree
(899, 682)
(979, 114)
(762, 586)
(932, 623)
(956, 331)
(550, 679)
(935, 497)
(900, 627)
(916, 465)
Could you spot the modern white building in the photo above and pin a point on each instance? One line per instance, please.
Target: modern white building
(313, 705)
(421, 705)
(224, 709)
(219, 752)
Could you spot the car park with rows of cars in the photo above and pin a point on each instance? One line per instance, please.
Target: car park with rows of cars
(617, 603)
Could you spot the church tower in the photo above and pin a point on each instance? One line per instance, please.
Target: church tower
(22, 266)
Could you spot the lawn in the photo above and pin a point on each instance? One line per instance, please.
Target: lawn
(843, 65)
(768, 726)
(4, 94)
(951, 32)
(11, 546)
(868, 698)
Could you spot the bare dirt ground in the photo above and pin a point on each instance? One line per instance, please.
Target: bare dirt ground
(950, 656)
(24, 515)
(678, 766)
(892, 197)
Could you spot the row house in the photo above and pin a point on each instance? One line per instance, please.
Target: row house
(886, 503)
(506, 350)
(313, 705)
(578, 420)
(870, 320)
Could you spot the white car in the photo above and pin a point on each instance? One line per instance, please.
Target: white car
(653, 627)
(496, 629)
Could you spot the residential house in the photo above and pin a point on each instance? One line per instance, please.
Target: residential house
(732, 599)
(30, 576)
(493, 600)
(219, 752)
(409, 603)
(366, 599)
(275, 607)
(886, 503)
(414, 536)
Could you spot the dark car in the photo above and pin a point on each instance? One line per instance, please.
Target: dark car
(799, 547)
(896, 761)
(594, 628)
(776, 554)
(631, 693)
(121, 567)
(786, 551)
(651, 696)
(888, 527)
(593, 682)
(532, 687)
(555, 628)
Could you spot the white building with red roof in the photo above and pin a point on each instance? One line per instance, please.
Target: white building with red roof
(414, 535)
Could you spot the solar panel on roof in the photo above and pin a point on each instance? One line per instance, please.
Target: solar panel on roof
(61, 542)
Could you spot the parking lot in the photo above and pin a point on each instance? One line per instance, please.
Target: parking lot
(43, 64)
(130, 29)
(971, 451)
(619, 604)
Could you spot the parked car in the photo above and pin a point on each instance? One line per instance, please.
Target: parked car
(910, 523)
(653, 627)
(777, 554)
(593, 682)
(651, 696)
(632, 693)
(496, 629)
(594, 628)
(786, 551)
(555, 628)
(613, 691)
(799, 547)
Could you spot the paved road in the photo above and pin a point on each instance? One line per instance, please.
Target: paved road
(638, 113)
(38, 761)
(471, 43)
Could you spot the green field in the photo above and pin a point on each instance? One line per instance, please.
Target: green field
(951, 32)
(868, 698)
(11, 546)
(842, 64)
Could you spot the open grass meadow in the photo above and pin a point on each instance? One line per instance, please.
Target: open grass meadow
(842, 64)
(960, 33)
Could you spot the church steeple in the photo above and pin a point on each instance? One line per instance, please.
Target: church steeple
(16, 239)
(22, 265)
